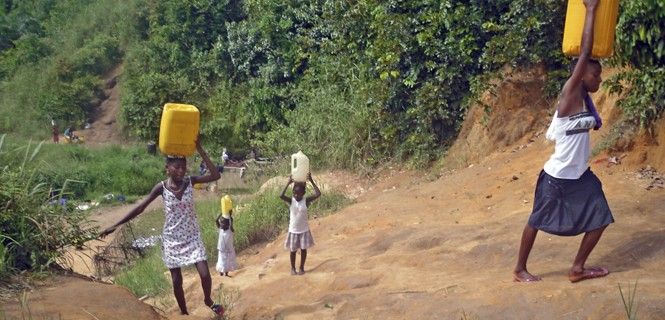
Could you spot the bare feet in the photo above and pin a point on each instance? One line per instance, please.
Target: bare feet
(301, 272)
(525, 276)
(587, 273)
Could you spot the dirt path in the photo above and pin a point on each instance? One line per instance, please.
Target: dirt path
(104, 128)
(413, 249)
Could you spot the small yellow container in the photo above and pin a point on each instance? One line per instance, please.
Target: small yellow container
(227, 205)
(603, 30)
(179, 129)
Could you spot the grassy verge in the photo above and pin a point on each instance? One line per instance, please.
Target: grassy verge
(146, 276)
(91, 172)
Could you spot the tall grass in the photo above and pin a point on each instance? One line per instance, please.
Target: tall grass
(35, 228)
(109, 169)
(146, 276)
(628, 300)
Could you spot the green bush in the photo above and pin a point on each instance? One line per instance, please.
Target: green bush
(35, 229)
(640, 49)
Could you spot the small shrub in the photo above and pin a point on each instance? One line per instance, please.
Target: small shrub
(35, 227)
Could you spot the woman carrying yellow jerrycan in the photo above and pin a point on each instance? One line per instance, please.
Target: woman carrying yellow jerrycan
(569, 199)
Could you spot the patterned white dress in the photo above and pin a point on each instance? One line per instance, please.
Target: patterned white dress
(181, 237)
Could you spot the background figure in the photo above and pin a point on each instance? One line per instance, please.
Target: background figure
(55, 131)
(224, 157)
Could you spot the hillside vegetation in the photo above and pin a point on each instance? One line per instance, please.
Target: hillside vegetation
(352, 83)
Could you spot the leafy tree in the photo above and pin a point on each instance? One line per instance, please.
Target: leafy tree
(640, 50)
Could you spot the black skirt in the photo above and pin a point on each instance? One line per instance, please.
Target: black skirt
(568, 207)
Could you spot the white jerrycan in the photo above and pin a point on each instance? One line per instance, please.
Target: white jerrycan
(299, 167)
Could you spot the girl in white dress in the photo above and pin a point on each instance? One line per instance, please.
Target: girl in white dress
(181, 235)
(226, 253)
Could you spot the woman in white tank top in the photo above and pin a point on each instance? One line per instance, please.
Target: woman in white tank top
(569, 199)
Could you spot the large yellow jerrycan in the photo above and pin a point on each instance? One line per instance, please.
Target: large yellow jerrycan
(227, 205)
(179, 129)
(603, 30)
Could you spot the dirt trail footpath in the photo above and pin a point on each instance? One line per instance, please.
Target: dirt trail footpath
(417, 249)
(104, 127)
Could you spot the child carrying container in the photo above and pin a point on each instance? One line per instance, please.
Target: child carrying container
(182, 244)
(299, 236)
(226, 253)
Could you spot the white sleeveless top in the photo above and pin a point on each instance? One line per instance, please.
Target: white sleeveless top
(298, 216)
(572, 148)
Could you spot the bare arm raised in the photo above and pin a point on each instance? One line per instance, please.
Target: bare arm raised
(571, 94)
(212, 169)
(283, 195)
(317, 192)
(156, 191)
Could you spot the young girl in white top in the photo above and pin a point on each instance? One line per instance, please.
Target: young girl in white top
(226, 253)
(299, 236)
(569, 198)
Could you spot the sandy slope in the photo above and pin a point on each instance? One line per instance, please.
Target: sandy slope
(413, 249)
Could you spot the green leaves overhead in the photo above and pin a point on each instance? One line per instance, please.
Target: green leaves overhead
(640, 47)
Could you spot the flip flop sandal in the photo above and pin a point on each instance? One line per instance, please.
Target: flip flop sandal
(217, 309)
(593, 273)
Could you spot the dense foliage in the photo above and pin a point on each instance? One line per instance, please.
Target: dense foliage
(349, 82)
(641, 50)
(53, 55)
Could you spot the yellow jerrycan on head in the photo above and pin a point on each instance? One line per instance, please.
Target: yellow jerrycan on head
(604, 28)
(179, 129)
(226, 204)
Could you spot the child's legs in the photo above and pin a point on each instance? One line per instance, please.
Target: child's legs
(206, 281)
(303, 257)
(293, 260)
(176, 277)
